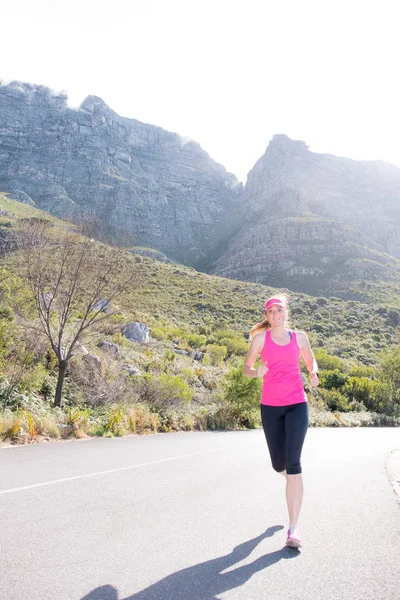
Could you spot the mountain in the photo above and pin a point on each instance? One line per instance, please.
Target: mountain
(316, 222)
(309, 222)
(139, 179)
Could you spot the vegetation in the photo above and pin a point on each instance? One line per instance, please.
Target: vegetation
(188, 376)
(67, 278)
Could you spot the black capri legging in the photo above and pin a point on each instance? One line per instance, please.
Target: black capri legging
(285, 429)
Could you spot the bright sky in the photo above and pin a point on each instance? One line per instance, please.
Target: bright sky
(226, 73)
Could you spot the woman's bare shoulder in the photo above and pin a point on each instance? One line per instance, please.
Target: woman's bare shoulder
(259, 339)
(301, 336)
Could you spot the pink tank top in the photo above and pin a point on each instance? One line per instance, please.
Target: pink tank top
(282, 385)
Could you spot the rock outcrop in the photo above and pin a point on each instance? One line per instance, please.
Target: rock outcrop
(315, 221)
(139, 179)
(137, 332)
(304, 221)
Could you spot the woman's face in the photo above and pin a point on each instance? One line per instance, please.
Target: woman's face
(276, 315)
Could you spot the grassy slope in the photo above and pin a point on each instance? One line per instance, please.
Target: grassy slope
(18, 210)
(177, 301)
(175, 295)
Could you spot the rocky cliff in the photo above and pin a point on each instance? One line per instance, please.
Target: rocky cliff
(304, 221)
(315, 221)
(138, 178)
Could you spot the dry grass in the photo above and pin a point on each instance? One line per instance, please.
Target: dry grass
(26, 426)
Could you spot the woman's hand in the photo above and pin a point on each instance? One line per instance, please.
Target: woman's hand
(314, 381)
(261, 370)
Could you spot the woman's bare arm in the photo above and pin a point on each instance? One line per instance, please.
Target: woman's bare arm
(252, 355)
(308, 356)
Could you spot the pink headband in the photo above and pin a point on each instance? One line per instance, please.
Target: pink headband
(273, 301)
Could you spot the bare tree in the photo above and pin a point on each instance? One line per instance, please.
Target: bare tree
(73, 281)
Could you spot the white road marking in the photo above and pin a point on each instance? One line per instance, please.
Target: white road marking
(120, 469)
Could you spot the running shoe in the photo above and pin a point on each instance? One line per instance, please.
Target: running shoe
(293, 539)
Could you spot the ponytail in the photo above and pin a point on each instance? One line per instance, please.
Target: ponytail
(259, 328)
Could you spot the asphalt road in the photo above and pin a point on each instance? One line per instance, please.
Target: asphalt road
(198, 516)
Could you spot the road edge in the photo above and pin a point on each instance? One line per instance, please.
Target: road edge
(393, 470)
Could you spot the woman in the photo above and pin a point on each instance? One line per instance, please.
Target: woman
(284, 407)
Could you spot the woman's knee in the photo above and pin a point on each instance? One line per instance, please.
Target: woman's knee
(278, 466)
(293, 468)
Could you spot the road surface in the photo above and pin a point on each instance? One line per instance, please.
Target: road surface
(198, 516)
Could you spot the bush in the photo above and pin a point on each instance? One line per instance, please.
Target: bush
(33, 380)
(360, 389)
(243, 397)
(326, 361)
(78, 418)
(87, 386)
(335, 400)
(216, 353)
(19, 426)
(233, 341)
(159, 333)
(142, 420)
(195, 341)
(389, 366)
(362, 371)
(164, 391)
(115, 424)
(332, 379)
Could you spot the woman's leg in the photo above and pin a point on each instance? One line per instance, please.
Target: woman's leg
(273, 425)
(296, 425)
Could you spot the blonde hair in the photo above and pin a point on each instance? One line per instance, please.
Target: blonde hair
(265, 324)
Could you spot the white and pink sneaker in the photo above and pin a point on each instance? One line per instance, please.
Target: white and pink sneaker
(293, 539)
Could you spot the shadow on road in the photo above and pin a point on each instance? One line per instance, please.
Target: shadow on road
(206, 580)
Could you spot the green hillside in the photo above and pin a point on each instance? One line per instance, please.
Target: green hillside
(159, 385)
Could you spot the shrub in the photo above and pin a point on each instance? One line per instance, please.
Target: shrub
(33, 380)
(188, 374)
(393, 317)
(233, 341)
(121, 340)
(115, 424)
(216, 353)
(334, 400)
(47, 425)
(79, 419)
(195, 341)
(159, 333)
(332, 379)
(89, 387)
(361, 371)
(389, 366)
(169, 356)
(243, 396)
(164, 391)
(18, 426)
(326, 361)
(206, 360)
(360, 389)
(141, 419)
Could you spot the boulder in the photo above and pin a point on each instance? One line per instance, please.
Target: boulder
(102, 305)
(110, 347)
(196, 355)
(92, 361)
(137, 332)
(132, 370)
